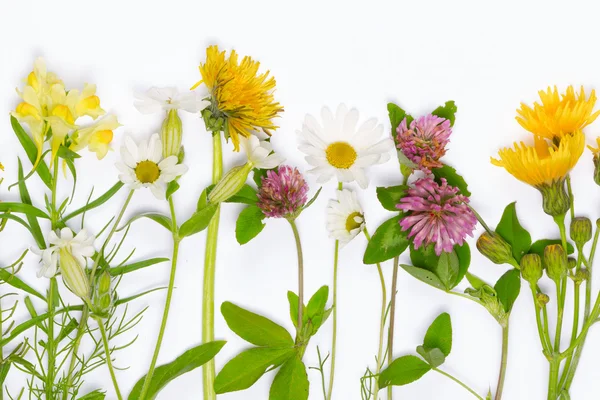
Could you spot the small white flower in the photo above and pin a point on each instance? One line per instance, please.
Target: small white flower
(260, 153)
(78, 247)
(338, 147)
(168, 98)
(143, 166)
(345, 217)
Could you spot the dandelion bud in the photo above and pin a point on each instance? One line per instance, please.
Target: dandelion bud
(581, 231)
(542, 299)
(171, 133)
(73, 274)
(582, 274)
(555, 198)
(494, 247)
(531, 268)
(230, 184)
(571, 262)
(555, 259)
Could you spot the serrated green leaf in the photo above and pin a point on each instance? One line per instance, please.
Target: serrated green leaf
(447, 111)
(390, 196)
(424, 275)
(388, 241)
(246, 368)
(186, 362)
(452, 177)
(508, 288)
(402, 371)
(198, 221)
(511, 230)
(254, 328)
(434, 357)
(291, 382)
(439, 334)
(249, 224)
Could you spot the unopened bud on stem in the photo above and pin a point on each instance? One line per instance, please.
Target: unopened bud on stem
(495, 248)
(581, 231)
(171, 133)
(531, 268)
(555, 259)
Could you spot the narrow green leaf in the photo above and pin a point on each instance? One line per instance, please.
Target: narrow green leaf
(434, 357)
(188, 361)
(96, 203)
(402, 371)
(125, 269)
(95, 395)
(439, 334)
(26, 209)
(246, 195)
(293, 300)
(17, 283)
(67, 329)
(34, 226)
(291, 382)
(313, 199)
(4, 369)
(539, 246)
(160, 219)
(511, 230)
(424, 275)
(172, 187)
(198, 221)
(249, 224)
(447, 111)
(508, 288)
(255, 328)
(452, 177)
(137, 296)
(390, 196)
(246, 368)
(387, 242)
(31, 151)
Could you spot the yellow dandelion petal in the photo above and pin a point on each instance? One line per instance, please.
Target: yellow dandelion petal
(558, 115)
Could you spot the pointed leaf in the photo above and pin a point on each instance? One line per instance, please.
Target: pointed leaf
(439, 334)
(95, 395)
(402, 371)
(434, 357)
(511, 230)
(388, 241)
(125, 269)
(316, 304)
(447, 111)
(32, 152)
(291, 382)
(17, 283)
(255, 328)
(390, 196)
(452, 177)
(26, 209)
(198, 221)
(160, 219)
(447, 269)
(464, 261)
(249, 224)
(538, 246)
(96, 202)
(246, 195)
(424, 275)
(508, 288)
(34, 225)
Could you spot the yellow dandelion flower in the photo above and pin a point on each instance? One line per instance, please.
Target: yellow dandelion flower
(544, 166)
(239, 94)
(559, 114)
(595, 150)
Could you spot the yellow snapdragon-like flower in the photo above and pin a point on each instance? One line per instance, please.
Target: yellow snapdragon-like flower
(558, 114)
(96, 138)
(239, 94)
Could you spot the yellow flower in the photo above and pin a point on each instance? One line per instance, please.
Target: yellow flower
(595, 150)
(544, 162)
(239, 94)
(558, 115)
(88, 103)
(97, 137)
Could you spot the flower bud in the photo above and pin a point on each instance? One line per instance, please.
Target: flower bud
(102, 296)
(542, 299)
(73, 274)
(171, 133)
(571, 262)
(494, 247)
(581, 275)
(531, 268)
(555, 259)
(555, 198)
(596, 169)
(581, 231)
(230, 184)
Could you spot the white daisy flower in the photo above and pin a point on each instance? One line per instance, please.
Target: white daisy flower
(339, 147)
(168, 98)
(69, 253)
(345, 217)
(143, 166)
(260, 153)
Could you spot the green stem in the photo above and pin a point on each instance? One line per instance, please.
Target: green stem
(1, 346)
(165, 317)
(300, 279)
(50, 346)
(574, 331)
(553, 381)
(561, 289)
(571, 198)
(210, 262)
(86, 312)
(447, 375)
(503, 362)
(108, 358)
(544, 340)
(390, 346)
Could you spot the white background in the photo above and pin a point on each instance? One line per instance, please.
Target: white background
(488, 58)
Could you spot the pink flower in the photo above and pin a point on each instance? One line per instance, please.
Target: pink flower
(282, 193)
(425, 142)
(436, 214)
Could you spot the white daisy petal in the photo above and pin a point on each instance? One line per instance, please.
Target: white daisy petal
(343, 215)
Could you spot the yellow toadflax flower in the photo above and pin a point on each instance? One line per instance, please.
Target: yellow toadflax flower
(558, 115)
(239, 95)
(545, 166)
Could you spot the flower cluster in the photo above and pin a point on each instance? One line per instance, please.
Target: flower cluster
(424, 142)
(283, 193)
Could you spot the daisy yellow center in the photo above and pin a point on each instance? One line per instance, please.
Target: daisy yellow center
(341, 155)
(351, 223)
(147, 171)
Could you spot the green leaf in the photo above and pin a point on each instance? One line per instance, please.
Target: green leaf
(293, 300)
(424, 257)
(539, 246)
(125, 269)
(452, 177)
(447, 111)
(476, 281)
(291, 382)
(387, 242)
(424, 275)
(512, 231)
(32, 152)
(203, 199)
(172, 187)
(508, 288)
(17, 283)
(402, 371)
(66, 153)
(249, 224)
(188, 361)
(246, 368)
(447, 269)
(97, 202)
(450, 268)
(258, 174)
(198, 221)
(316, 304)
(434, 357)
(396, 115)
(464, 261)
(390, 196)
(26, 209)
(34, 225)
(160, 219)
(95, 395)
(313, 199)
(246, 195)
(254, 328)
(439, 334)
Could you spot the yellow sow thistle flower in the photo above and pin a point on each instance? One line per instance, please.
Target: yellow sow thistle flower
(558, 115)
(544, 166)
(239, 95)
